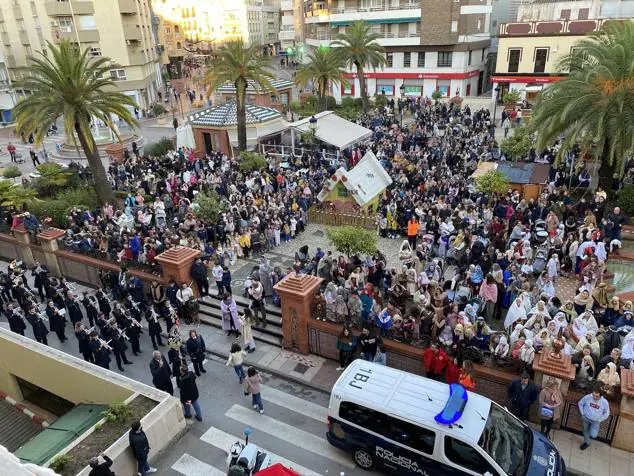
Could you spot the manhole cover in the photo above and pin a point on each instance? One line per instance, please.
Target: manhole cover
(301, 368)
(318, 233)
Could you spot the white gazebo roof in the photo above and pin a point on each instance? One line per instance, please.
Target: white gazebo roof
(365, 181)
(334, 130)
(225, 115)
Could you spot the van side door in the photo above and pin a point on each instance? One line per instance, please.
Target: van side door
(459, 457)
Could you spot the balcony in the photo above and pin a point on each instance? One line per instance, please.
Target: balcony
(382, 8)
(56, 9)
(127, 7)
(17, 12)
(24, 37)
(317, 16)
(286, 5)
(552, 28)
(11, 61)
(84, 36)
(132, 32)
(288, 20)
(5, 38)
(286, 35)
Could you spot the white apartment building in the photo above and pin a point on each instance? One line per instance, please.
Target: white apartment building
(118, 29)
(430, 45)
(263, 20)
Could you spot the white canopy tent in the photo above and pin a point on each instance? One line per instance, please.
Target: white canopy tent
(185, 137)
(332, 129)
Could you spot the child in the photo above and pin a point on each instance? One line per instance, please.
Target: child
(236, 357)
(246, 322)
(380, 357)
(252, 386)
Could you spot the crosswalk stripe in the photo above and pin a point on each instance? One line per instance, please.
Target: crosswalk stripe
(291, 402)
(290, 434)
(190, 466)
(223, 441)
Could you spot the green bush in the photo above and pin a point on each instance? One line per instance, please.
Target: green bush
(208, 207)
(82, 196)
(158, 149)
(330, 102)
(348, 103)
(59, 463)
(310, 101)
(53, 178)
(349, 113)
(352, 240)
(250, 161)
(436, 95)
(512, 97)
(358, 102)
(57, 210)
(626, 199)
(117, 412)
(158, 109)
(493, 182)
(516, 146)
(380, 101)
(11, 172)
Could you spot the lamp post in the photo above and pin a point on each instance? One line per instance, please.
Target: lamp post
(313, 131)
(495, 103)
(442, 130)
(402, 88)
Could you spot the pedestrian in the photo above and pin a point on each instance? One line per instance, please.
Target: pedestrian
(435, 361)
(594, 409)
(236, 358)
(550, 401)
(11, 149)
(34, 157)
(140, 448)
(217, 273)
(467, 377)
(189, 393)
(522, 393)
(199, 273)
(246, 328)
(230, 318)
(346, 344)
(196, 350)
(506, 124)
(256, 292)
(380, 357)
(101, 469)
(161, 373)
(252, 386)
(368, 342)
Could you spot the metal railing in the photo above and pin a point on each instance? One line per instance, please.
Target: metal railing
(381, 8)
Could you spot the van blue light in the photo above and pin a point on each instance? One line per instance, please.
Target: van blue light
(454, 406)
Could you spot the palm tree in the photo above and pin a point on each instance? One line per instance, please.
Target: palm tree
(16, 195)
(358, 48)
(238, 64)
(77, 87)
(324, 67)
(594, 105)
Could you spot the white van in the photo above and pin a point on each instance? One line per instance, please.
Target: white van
(411, 425)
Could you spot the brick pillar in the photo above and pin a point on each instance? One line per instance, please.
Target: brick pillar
(297, 294)
(24, 248)
(49, 239)
(177, 264)
(624, 433)
(555, 365)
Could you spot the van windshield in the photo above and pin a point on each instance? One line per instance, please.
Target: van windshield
(506, 440)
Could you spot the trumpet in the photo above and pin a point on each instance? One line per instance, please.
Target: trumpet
(42, 315)
(122, 334)
(88, 331)
(135, 322)
(71, 286)
(104, 344)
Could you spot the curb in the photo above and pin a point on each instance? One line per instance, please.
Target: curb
(35, 418)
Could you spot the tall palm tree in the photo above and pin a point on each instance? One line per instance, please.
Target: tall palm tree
(324, 67)
(594, 105)
(78, 88)
(237, 64)
(358, 48)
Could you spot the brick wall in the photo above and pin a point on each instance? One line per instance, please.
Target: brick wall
(435, 28)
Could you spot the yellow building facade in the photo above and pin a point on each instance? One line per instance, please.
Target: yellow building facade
(529, 53)
(118, 29)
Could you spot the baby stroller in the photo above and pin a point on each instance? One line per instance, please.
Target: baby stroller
(540, 235)
(540, 260)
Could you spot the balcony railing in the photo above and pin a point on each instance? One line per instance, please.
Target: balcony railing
(331, 36)
(553, 28)
(54, 8)
(381, 8)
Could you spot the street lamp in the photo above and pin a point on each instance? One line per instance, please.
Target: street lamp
(495, 104)
(402, 88)
(313, 130)
(441, 130)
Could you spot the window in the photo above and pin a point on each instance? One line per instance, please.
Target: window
(178, 45)
(483, 52)
(168, 30)
(541, 56)
(176, 29)
(65, 22)
(87, 22)
(565, 14)
(408, 434)
(21, 25)
(466, 456)
(583, 13)
(454, 26)
(444, 58)
(515, 56)
(407, 59)
(95, 51)
(118, 74)
(470, 56)
(390, 59)
(421, 59)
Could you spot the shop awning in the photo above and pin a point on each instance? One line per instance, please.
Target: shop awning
(334, 130)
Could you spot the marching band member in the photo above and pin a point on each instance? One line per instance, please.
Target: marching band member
(37, 323)
(83, 338)
(56, 320)
(104, 302)
(133, 331)
(91, 305)
(154, 327)
(74, 311)
(40, 272)
(16, 322)
(119, 346)
(100, 349)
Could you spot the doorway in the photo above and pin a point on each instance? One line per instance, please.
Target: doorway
(207, 141)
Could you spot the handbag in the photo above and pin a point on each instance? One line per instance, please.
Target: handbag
(546, 412)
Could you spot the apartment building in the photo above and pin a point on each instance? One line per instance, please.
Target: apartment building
(264, 23)
(430, 45)
(530, 48)
(118, 29)
(288, 18)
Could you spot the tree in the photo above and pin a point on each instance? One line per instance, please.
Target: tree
(208, 207)
(517, 145)
(15, 195)
(594, 103)
(250, 161)
(239, 64)
(53, 177)
(512, 97)
(359, 49)
(324, 67)
(11, 172)
(352, 240)
(159, 148)
(78, 88)
(436, 96)
(492, 182)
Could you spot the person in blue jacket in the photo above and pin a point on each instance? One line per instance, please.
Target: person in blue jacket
(594, 409)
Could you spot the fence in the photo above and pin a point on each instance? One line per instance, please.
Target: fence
(327, 218)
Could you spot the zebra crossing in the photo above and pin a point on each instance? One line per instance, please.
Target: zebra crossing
(295, 438)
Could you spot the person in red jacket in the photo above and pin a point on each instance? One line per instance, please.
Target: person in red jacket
(452, 372)
(435, 361)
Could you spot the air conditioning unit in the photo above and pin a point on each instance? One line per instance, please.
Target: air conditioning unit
(54, 23)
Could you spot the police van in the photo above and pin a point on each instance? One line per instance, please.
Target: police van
(410, 425)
